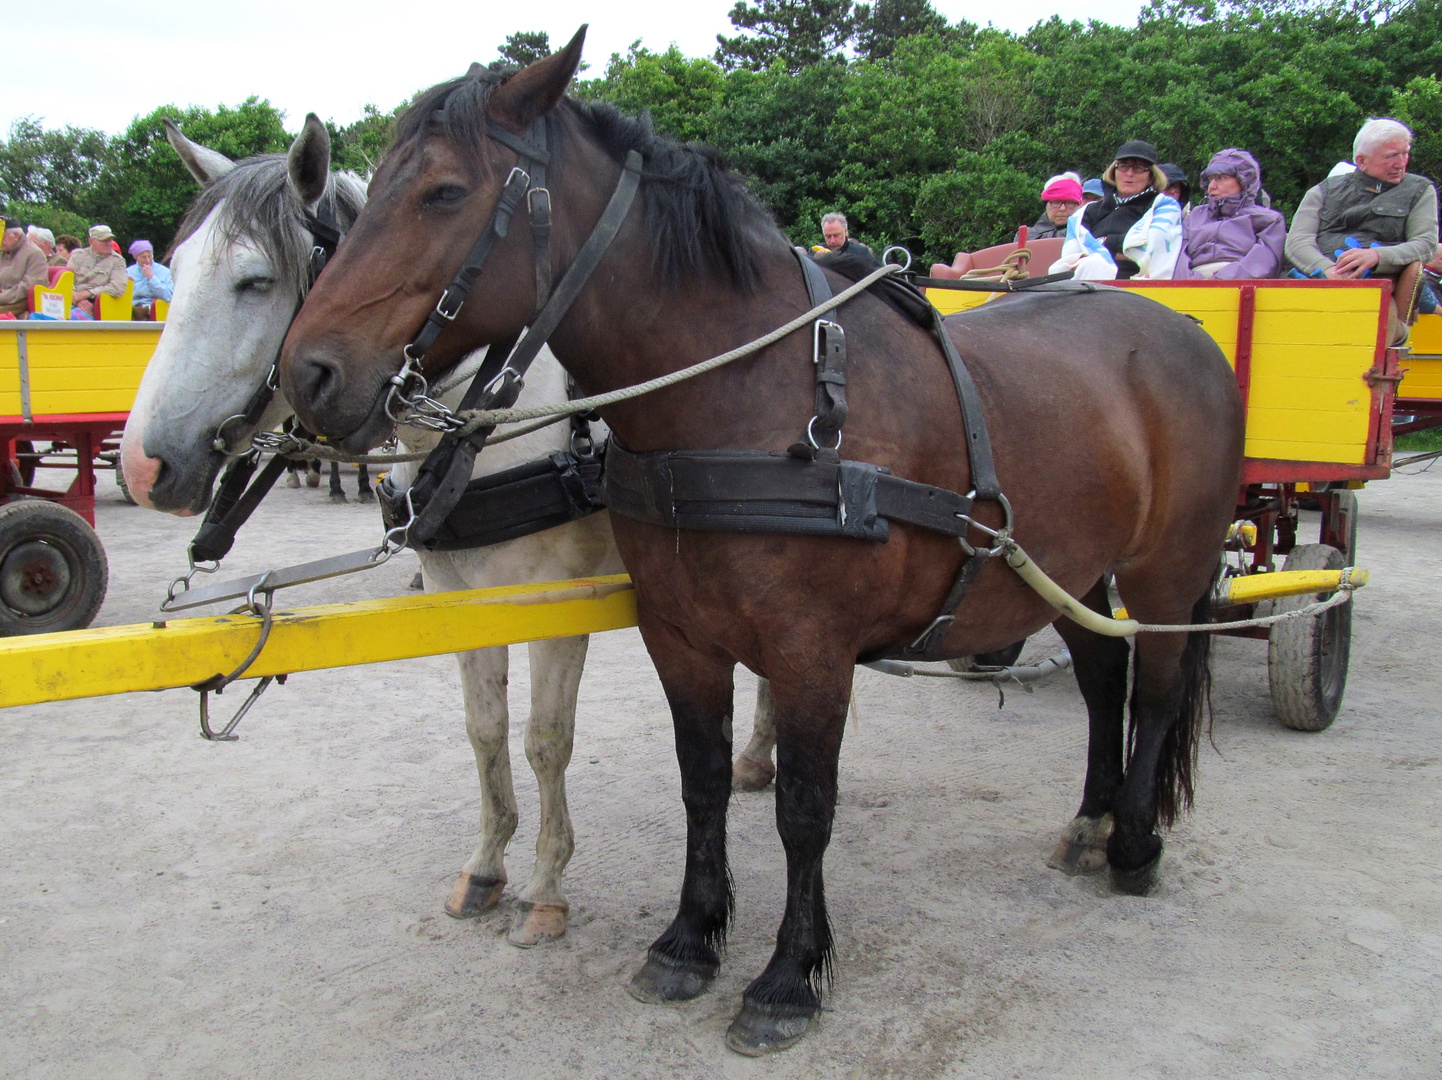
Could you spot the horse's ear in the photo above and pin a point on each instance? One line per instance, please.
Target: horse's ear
(536, 90)
(203, 163)
(308, 163)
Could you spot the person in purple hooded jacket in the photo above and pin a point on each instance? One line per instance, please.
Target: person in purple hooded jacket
(1231, 236)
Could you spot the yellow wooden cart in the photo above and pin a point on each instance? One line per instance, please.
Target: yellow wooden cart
(1319, 384)
(65, 393)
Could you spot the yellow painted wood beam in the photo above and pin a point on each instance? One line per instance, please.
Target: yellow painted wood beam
(182, 652)
(1254, 587)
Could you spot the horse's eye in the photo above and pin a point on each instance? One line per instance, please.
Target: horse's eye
(254, 284)
(446, 195)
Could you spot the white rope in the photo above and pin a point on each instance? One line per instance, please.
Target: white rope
(1343, 594)
(477, 418)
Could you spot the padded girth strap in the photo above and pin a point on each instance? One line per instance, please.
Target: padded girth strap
(758, 491)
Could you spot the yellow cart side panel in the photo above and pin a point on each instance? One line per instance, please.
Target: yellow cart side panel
(1427, 337)
(75, 368)
(950, 301)
(1423, 378)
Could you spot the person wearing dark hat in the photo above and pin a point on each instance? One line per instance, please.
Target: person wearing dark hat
(22, 266)
(1178, 186)
(98, 269)
(1134, 230)
(1135, 181)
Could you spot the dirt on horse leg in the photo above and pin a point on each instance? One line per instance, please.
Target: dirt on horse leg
(810, 713)
(483, 877)
(699, 686)
(753, 770)
(556, 666)
(1100, 664)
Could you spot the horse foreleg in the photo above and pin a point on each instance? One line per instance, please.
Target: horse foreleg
(682, 962)
(336, 494)
(753, 770)
(483, 877)
(810, 716)
(555, 679)
(312, 473)
(1100, 664)
(292, 474)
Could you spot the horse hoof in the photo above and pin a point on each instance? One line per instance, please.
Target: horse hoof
(292, 480)
(537, 922)
(366, 496)
(472, 896)
(418, 582)
(766, 1029)
(312, 479)
(337, 496)
(1138, 882)
(1083, 846)
(660, 982)
(751, 774)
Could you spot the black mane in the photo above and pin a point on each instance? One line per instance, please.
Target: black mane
(701, 218)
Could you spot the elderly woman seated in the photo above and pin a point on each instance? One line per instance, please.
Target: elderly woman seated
(1062, 195)
(1230, 236)
(1135, 231)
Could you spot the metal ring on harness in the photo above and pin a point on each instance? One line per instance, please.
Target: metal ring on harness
(1002, 535)
(885, 255)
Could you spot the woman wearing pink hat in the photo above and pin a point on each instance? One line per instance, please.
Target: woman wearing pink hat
(1063, 197)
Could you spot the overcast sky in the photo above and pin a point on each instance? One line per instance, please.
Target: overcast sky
(333, 57)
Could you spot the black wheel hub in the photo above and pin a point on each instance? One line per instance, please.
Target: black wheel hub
(34, 578)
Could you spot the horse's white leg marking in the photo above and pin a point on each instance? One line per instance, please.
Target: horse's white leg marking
(753, 768)
(482, 878)
(556, 667)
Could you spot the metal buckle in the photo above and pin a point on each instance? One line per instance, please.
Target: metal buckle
(449, 316)
(531, 194)
(1002, 536)
(822, 326)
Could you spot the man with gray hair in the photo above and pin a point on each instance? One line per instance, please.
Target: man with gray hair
(22, 267)
(44, 239)
(1377, 219)
(838, 239)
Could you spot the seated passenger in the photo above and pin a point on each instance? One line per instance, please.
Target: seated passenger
(1135, 231)
(65, 246)
(1062, 195)
(98, 269)
(1092, 190)
(1178, 186)
(22, 266)
(152, 280)
(1378, 218)
(1230, 236)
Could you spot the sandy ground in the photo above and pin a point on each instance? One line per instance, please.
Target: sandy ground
(272, 907)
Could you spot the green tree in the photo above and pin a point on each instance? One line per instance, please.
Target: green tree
(681, 94)
(358, 147)
(1419, 106)
(880, 25)
(797, 33)
(57, 167)
(145, 189)
(525, 47)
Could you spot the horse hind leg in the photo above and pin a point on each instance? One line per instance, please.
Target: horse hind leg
(753, 770)
(1170, 693)
(483, 877)
(1100, 664)
(364, 493)
(683, 961)
(312, 474)
(556, 666)
(336, 494)
(292, 474)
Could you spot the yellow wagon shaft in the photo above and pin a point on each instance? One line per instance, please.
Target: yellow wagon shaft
(182, 652)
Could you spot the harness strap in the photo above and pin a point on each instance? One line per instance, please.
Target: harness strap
(828, 356)
(504, 388)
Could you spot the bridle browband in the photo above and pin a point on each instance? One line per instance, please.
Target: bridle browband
(442, 478)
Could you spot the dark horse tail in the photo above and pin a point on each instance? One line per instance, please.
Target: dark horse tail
(1177, 764)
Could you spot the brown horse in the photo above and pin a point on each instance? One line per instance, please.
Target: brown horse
(1116, 427)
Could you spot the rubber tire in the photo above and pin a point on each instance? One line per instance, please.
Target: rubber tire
(1307, 658)
(1348, 500)
(27, 520)
(123, 486)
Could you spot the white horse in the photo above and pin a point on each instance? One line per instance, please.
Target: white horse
(241, 269)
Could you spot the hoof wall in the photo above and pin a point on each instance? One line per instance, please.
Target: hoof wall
(337, 497)
(751, 774)
(1138, 882)
(472, 896)
(312, 479)
(537, 922)
(292, 481)
(366, 497)
(660, 982)
(1083, 846)
(759, 1030)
